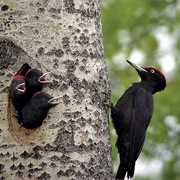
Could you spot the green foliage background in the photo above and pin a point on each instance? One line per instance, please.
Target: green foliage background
(130, 25)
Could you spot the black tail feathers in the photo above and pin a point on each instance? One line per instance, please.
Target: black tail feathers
(130, 173)
(121, 173)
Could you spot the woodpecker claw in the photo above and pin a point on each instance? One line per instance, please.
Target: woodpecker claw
(43, 79)
(55, 100)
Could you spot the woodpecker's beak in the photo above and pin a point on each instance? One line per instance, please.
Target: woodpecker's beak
(55, 100)
(44, 78)
(21, 87)
(138, 68)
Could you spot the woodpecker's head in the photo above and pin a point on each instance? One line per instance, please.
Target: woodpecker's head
(17, 86)
(35, 78)
(44, 101)
(151, 76)
(24, 68)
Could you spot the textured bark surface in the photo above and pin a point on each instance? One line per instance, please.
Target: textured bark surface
(64, 37)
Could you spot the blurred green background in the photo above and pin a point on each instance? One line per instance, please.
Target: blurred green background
(147, 32)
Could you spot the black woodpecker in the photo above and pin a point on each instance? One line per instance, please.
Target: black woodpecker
(35, 80)
(36, 110)
(17, 90)
(131, 117)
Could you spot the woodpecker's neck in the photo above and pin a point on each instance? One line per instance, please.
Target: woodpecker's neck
(146, 85)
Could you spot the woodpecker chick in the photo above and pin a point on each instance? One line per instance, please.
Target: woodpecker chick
(36, 110)
(17, 89)
(131, 117)
(35, 80)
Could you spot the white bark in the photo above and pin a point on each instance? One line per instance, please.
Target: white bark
(64, 37)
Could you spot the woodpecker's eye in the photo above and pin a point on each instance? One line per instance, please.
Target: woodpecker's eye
(152, 71)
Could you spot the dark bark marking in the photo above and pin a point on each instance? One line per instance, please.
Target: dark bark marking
(4, 7)
(9, 53)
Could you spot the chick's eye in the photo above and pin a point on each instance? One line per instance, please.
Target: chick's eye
(44, 99)
(152, 71)
(34, 77)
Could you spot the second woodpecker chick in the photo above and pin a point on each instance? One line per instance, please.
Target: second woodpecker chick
(36, 110)
(35, 80)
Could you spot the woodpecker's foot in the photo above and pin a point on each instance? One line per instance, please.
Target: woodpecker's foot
(113, 108)
(109, 104)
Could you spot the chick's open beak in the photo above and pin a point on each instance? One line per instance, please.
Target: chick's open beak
(55, 100)
(21, 87)
(44, 78)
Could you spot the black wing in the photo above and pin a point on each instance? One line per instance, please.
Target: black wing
(121, 117)
(141, 116)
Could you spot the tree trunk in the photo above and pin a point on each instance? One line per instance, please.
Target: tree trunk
(65, 38)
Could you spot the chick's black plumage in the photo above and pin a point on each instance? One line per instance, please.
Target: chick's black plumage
(131, 117)
(35, 81)
(17, 90)
(36, 110)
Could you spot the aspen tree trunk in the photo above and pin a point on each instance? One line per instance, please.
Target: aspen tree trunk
(65, 38)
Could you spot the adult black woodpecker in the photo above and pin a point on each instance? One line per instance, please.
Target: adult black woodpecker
(131, 117)
(36, 110)
(17, 90)
(35, 81)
